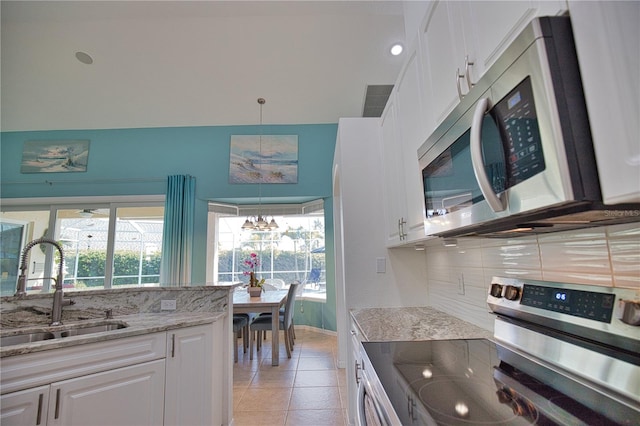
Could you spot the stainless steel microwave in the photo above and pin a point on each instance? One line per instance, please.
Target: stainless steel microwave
(516, 155)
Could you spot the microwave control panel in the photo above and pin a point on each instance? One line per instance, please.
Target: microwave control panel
(516, 117)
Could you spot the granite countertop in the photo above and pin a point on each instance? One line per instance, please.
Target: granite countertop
(137, 324)
(418, 323)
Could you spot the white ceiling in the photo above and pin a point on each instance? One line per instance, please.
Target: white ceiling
(202, 63)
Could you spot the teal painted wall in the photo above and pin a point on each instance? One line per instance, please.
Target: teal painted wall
(138, 161)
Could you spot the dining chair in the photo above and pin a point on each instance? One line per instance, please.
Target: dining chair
(262, 323)
(240, 325)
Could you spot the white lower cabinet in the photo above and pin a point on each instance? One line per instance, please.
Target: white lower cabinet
(353, 370)
(123, 397)
(166, 378)
(193, 372)
(27, 407)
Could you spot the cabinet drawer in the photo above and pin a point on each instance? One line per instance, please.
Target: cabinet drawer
(40, 368)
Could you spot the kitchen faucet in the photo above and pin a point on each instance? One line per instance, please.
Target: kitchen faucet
(58, 300)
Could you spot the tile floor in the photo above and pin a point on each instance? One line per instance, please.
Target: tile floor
(306, 390)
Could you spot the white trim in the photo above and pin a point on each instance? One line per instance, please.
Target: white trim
(316, 329)
(308, 208)
(36, 201)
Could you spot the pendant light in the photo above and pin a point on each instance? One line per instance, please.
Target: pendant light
(260, 224)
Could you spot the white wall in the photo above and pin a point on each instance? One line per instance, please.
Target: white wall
(364, 241)
(605, 256)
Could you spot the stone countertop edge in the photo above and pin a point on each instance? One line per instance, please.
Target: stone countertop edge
(138, 324)
(414, 323)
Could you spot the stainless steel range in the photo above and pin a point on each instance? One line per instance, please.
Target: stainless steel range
(562, 354)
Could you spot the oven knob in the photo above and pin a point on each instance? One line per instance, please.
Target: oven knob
(496, 290)
(511, 293)
(630, 312)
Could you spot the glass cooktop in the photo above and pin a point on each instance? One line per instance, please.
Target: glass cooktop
(464, 382)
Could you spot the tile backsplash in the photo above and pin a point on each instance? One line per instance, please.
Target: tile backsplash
(458, 277)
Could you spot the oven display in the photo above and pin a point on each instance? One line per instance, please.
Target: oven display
(561, 296)
(584, 304)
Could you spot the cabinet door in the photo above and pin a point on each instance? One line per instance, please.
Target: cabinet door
(192, 372)
(27, 407)
(394, 199)
(443, 53)
(122, 397)
(353, 370)
(606, 36)
(490, 26)
(412, 133)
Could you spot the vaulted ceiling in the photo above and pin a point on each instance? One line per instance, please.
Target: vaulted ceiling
(183, 63)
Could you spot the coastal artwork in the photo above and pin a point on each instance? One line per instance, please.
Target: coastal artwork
(263, 159)
(55, 156)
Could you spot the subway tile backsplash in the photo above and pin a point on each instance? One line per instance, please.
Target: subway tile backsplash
(458, 277)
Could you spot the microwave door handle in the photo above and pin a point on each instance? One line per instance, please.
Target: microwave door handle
(494, 200)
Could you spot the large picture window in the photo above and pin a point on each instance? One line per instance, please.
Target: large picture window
(292, 253)
(105, 245)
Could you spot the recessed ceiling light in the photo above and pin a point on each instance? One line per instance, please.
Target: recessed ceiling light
(84, 58)
(396, 49)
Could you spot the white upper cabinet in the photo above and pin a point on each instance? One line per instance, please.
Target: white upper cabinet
(443, 52)
(607, 36)
(493, 25)
(412, 133)
(394, 195)
(461, 40)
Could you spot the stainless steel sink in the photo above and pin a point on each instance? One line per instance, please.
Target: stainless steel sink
(33, 334)
(90, 329)
(18, 339)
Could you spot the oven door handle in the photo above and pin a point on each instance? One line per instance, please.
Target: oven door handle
(361, 419)
(496, 202)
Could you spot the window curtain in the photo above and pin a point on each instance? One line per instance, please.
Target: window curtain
(177, 237)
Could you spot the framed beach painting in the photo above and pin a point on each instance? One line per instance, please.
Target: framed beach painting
(263, 159)
(55, 156)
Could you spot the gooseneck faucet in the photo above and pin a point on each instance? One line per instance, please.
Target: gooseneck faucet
(58, 300)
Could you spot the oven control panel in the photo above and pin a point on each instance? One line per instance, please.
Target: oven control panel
(608, 306)
(579, 303)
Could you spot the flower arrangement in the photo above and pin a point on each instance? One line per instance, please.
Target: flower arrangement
(251, 264)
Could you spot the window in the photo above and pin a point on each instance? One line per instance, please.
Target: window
(104, 245)
(292, 253)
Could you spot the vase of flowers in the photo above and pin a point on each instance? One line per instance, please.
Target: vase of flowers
(255, 285)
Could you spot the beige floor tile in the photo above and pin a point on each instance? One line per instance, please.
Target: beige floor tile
(265, 399)
(315, 418)
(302, 391)
(263, 418)
(273, 378)
(317, 363)
(316, 378)
(314, 398)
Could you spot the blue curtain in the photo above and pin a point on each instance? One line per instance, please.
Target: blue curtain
(177, 237)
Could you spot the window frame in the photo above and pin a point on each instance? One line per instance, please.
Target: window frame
(219, 210)
(54, 204)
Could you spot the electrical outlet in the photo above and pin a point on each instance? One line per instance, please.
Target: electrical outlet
(460, 283)
(168, 305)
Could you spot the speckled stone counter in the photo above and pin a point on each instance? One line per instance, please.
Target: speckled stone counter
(135, 325)
(138, 308)
(419, 323)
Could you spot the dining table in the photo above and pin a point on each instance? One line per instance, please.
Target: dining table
(268, 302)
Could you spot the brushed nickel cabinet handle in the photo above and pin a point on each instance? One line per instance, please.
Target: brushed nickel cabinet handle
(458, 78)
(39, 415)
(57, 404)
